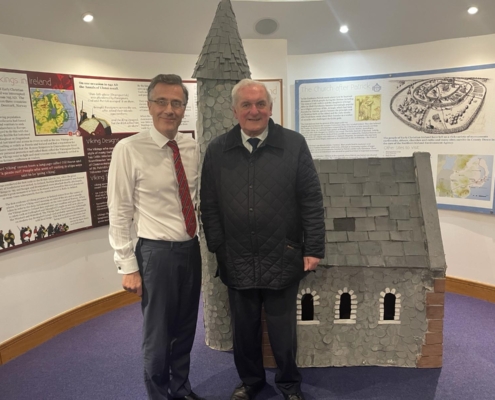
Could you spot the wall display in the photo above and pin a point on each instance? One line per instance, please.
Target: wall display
(274, 86)
(448, 113)
(57, 134)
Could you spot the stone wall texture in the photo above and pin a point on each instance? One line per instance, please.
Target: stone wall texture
(215, 117)
(367, 342)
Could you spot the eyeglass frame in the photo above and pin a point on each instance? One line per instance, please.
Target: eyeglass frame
(164, 103)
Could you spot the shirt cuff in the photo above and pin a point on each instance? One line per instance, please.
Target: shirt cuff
(125, 267)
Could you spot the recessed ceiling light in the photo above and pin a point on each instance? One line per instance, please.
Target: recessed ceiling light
(344, 29)
(88, 17)
(472, 10)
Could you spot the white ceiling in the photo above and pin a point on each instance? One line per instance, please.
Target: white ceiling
(180, 26)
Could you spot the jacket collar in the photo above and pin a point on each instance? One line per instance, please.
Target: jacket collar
(275, 137)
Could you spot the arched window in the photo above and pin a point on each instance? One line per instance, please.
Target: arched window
(389, 307)
(308, 308)
(345, 306)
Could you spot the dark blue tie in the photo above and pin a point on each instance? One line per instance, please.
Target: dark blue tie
(254, 142)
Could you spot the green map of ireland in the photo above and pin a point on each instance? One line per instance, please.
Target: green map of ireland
(53, 111)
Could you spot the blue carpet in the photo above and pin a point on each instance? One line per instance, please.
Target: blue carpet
(101, 359)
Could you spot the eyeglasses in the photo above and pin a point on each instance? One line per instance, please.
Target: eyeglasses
(175, 104)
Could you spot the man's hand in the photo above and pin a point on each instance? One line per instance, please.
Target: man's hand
(310, 263)
(132, 283)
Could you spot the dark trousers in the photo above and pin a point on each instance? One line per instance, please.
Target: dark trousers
(280, 312)
(171, 274)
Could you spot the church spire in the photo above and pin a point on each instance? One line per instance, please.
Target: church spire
(223, 55)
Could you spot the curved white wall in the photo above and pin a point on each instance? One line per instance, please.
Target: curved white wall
(469, 239)
(43, 280)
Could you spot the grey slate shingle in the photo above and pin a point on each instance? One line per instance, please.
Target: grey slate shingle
(223, 56)
(392, 203)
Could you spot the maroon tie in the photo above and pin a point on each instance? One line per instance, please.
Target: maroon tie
(185, 195)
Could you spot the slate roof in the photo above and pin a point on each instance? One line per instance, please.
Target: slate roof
(223, 55)
(381, 212)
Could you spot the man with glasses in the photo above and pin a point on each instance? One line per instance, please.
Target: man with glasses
(262, 212)
(152, 182)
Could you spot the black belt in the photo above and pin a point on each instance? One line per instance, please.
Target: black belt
(166, 244)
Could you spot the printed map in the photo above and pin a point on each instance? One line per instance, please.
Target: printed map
(464, 176)
(54, 111)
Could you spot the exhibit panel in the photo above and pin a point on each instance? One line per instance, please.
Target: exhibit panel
(444, 112)
(58, 132)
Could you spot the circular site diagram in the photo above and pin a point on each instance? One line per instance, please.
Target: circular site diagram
(440, 106)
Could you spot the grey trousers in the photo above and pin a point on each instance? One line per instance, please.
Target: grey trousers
(171, 275)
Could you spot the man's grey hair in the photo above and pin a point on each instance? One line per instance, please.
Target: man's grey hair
(168, 79)
(246, 83)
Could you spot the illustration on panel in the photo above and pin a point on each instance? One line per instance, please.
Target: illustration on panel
(54, 111)
(368, 107)
(464, 176)
(440, 105)
(93, 126)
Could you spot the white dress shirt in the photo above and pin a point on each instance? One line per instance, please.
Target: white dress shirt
(143, 188)
(245, 138)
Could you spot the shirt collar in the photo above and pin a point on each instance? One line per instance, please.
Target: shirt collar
(262, 137)
(160, 140)
(275, 137)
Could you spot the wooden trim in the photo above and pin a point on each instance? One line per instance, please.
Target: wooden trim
(281, 81)
(478, 290)
(39, 334)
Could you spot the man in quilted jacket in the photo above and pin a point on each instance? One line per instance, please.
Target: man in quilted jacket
(263, 217)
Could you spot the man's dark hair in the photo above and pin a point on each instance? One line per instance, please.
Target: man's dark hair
(168, 79)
